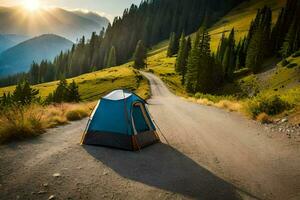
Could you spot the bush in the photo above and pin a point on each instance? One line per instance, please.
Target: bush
(271, 105)
(297, 54)
(264, 118)
(285, 62)
(20, 122)
(77, 114)
(151, 71)
(213, 98)
(291, 65)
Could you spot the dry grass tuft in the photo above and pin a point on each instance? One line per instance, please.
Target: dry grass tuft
(23, 122)
(264, 118)
(74, 115)
(232, 106)
(205, 102)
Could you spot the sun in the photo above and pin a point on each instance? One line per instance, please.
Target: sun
(32, 5)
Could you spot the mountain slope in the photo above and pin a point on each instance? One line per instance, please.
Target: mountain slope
(19, 58)
(93, 86)
(92, 16)
(57, 21)
(10, 40)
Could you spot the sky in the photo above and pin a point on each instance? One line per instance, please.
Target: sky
(108, 8)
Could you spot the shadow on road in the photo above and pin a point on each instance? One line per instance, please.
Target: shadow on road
(166, 168)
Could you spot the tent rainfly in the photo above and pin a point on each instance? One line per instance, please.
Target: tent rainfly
(120, 120)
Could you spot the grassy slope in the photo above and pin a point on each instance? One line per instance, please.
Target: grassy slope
(279, 80)
(94, 85)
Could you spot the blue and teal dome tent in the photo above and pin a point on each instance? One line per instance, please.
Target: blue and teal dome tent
(120, 120)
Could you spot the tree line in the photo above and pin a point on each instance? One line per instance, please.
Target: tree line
(151, 22)
(24, 94)
(203, 71)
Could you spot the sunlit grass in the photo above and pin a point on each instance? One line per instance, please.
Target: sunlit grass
(93, 86)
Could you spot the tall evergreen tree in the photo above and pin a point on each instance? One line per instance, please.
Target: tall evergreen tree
(199, 72)
(283, 24)
(73, 92)
(258, 48)
(140, 56)
(61, 93)
(181, 60)
(173, 45)
(112, 59)
(24, 94)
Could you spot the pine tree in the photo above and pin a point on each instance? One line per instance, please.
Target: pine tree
(61, 93)
(255, 54)
(73, 92)
(283, 24)
(173, 45)
(199, 72)
(180, 61)
(192, 65)
(292, 39)
(259, 44)
(24, 94)
(34, 73)
(112, 59)
(140, 56)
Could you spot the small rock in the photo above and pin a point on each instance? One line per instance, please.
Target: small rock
(56, 175)
(41, 192)
(51, 197)
(105, 173)
(18, 197)
(79, 168)
(284, 120)
(45, 184)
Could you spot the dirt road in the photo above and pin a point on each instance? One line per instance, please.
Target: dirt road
(212, 154)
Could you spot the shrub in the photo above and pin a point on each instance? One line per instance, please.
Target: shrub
(264, 118)
(285, 62)
(151, 71)
(297, 54)
(213, 98)
(291, 65)
(20, 122)
(77, 114)
(271, 105)
(232, 106)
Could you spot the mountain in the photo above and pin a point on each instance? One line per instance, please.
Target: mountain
(92, 16)
(69, 24)
(10, 40)
(19, 58)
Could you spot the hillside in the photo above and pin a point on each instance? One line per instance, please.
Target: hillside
(92, 86)
(239, 17)
(69, 24)
(19, 58)
(10, 40)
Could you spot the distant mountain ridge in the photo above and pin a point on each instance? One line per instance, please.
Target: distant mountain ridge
(10, 40)
(19, 58)
(69, 24)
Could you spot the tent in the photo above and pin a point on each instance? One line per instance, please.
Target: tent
(121, 120)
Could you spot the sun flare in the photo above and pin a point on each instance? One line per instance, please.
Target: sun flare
(32, 5)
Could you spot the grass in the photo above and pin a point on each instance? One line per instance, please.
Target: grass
(163, 67)
(93, 86)
(23, 122)
(240, 18)
(19, 123)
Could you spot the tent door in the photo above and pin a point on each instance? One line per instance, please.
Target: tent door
(140, 120)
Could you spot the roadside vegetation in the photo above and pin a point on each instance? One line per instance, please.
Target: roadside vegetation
(245, 67)
(251, 66)
(27, 111)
